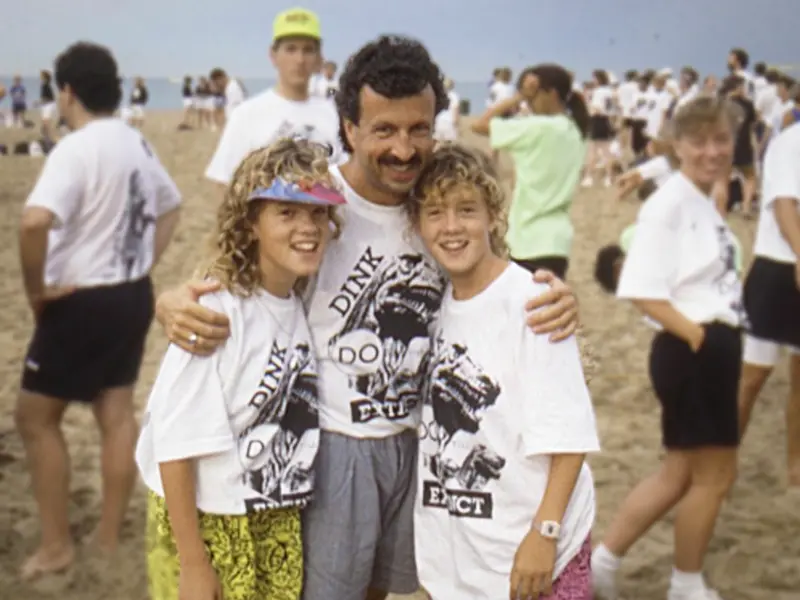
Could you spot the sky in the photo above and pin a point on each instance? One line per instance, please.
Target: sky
(468, 38)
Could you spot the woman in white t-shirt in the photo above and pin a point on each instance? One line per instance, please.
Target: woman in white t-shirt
(229, 440)
(505, 503)
(772, 289)
(602, 105)
(681, 273)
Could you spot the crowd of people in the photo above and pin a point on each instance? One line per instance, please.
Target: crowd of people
(374, 385)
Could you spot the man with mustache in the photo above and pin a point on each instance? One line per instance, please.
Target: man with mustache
(358, 532)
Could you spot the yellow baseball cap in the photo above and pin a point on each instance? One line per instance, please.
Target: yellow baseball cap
(296, 22)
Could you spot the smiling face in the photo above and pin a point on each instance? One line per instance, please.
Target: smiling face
(456, 230)
(706, 152)
(291, 242)
(393, 139)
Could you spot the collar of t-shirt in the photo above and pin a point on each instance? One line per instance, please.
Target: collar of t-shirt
(363, 206)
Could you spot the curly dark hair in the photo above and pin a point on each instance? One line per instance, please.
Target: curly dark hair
(394, 66)
(91, 72)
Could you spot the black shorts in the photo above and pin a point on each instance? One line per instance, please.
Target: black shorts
(639, 139)
(557, 264)
(772, 302)
(627, 122)
(90, 341)
(698, 391)
(600, 129)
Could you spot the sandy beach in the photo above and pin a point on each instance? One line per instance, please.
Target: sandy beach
(755, 553)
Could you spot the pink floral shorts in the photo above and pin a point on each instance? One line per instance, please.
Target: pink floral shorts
(575, 581)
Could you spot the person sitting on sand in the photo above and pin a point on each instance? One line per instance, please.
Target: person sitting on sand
(681, 273)
(100, 216)
(505, 502)
(285, 110)
(229, 440)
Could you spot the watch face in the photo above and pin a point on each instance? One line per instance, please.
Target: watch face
(549, 529)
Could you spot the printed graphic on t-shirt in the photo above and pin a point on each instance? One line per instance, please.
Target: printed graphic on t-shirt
(278, 461)
(388, 304)
(729, 280)
(287, 129)
(459, 392)
(131, 231)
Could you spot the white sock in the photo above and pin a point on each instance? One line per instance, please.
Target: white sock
(603, 558)
(687, 582)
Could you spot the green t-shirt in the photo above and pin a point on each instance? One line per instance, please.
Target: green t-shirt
(626, 238)
(548, 154)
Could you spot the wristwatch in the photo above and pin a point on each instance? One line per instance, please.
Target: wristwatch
(550, 530)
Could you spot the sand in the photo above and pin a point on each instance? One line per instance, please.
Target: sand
(755, 553)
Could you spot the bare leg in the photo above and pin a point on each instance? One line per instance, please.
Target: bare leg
(750, 385)
(793, 422)
(38, 420)
(115, 416)
(648, 502)
(713, 472)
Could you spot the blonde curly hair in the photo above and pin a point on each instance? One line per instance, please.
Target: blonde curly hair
(455, 166)
(235, 261)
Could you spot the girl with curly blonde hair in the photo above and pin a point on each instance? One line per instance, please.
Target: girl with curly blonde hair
(505, 502)
(229, 440)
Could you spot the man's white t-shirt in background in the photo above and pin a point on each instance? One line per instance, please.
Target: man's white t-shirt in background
(626, 97)
(106, 188)
(234, 95)
(371, 309)
(781, 179)
(602, 101)
(684, 253)
(267, 117)
(248, 413)
(445, 125)
(500, 91)
(499, 400)
(658, 103)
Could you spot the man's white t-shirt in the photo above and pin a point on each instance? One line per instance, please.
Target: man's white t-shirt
(780, 179)
(106, 188)
(248, 414)
(500, 91)
(234, 95)
(687, 96)
(445, 125)
(263, 119)
(658, 103)
(371, 308)
(499, 400)
(626, 96)
(684, 253)
(602, 101)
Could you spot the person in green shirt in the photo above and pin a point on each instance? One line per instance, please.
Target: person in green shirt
(548, 151)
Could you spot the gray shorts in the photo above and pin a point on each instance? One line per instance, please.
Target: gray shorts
(358, 532)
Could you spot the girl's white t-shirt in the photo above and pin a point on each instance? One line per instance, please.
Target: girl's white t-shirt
(781, 179)
(248, 413)
(684, 253)
(602, 101)
(498, 400)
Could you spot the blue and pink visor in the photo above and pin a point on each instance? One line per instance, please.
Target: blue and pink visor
(286, 191)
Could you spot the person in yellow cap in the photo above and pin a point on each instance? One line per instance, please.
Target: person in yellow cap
(285, 110)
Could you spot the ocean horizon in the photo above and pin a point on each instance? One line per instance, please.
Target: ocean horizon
(165, 92)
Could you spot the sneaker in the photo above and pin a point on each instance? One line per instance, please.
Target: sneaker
(587, 182)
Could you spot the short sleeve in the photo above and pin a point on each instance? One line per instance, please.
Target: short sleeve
(558, 413)
(168, 197)
(187, 409)
(781, 175)
(650, 264)
(233, 147)
(511, 134)
(61, 184)
(654, 168)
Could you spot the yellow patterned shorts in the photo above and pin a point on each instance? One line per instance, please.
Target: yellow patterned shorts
(256, 556)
